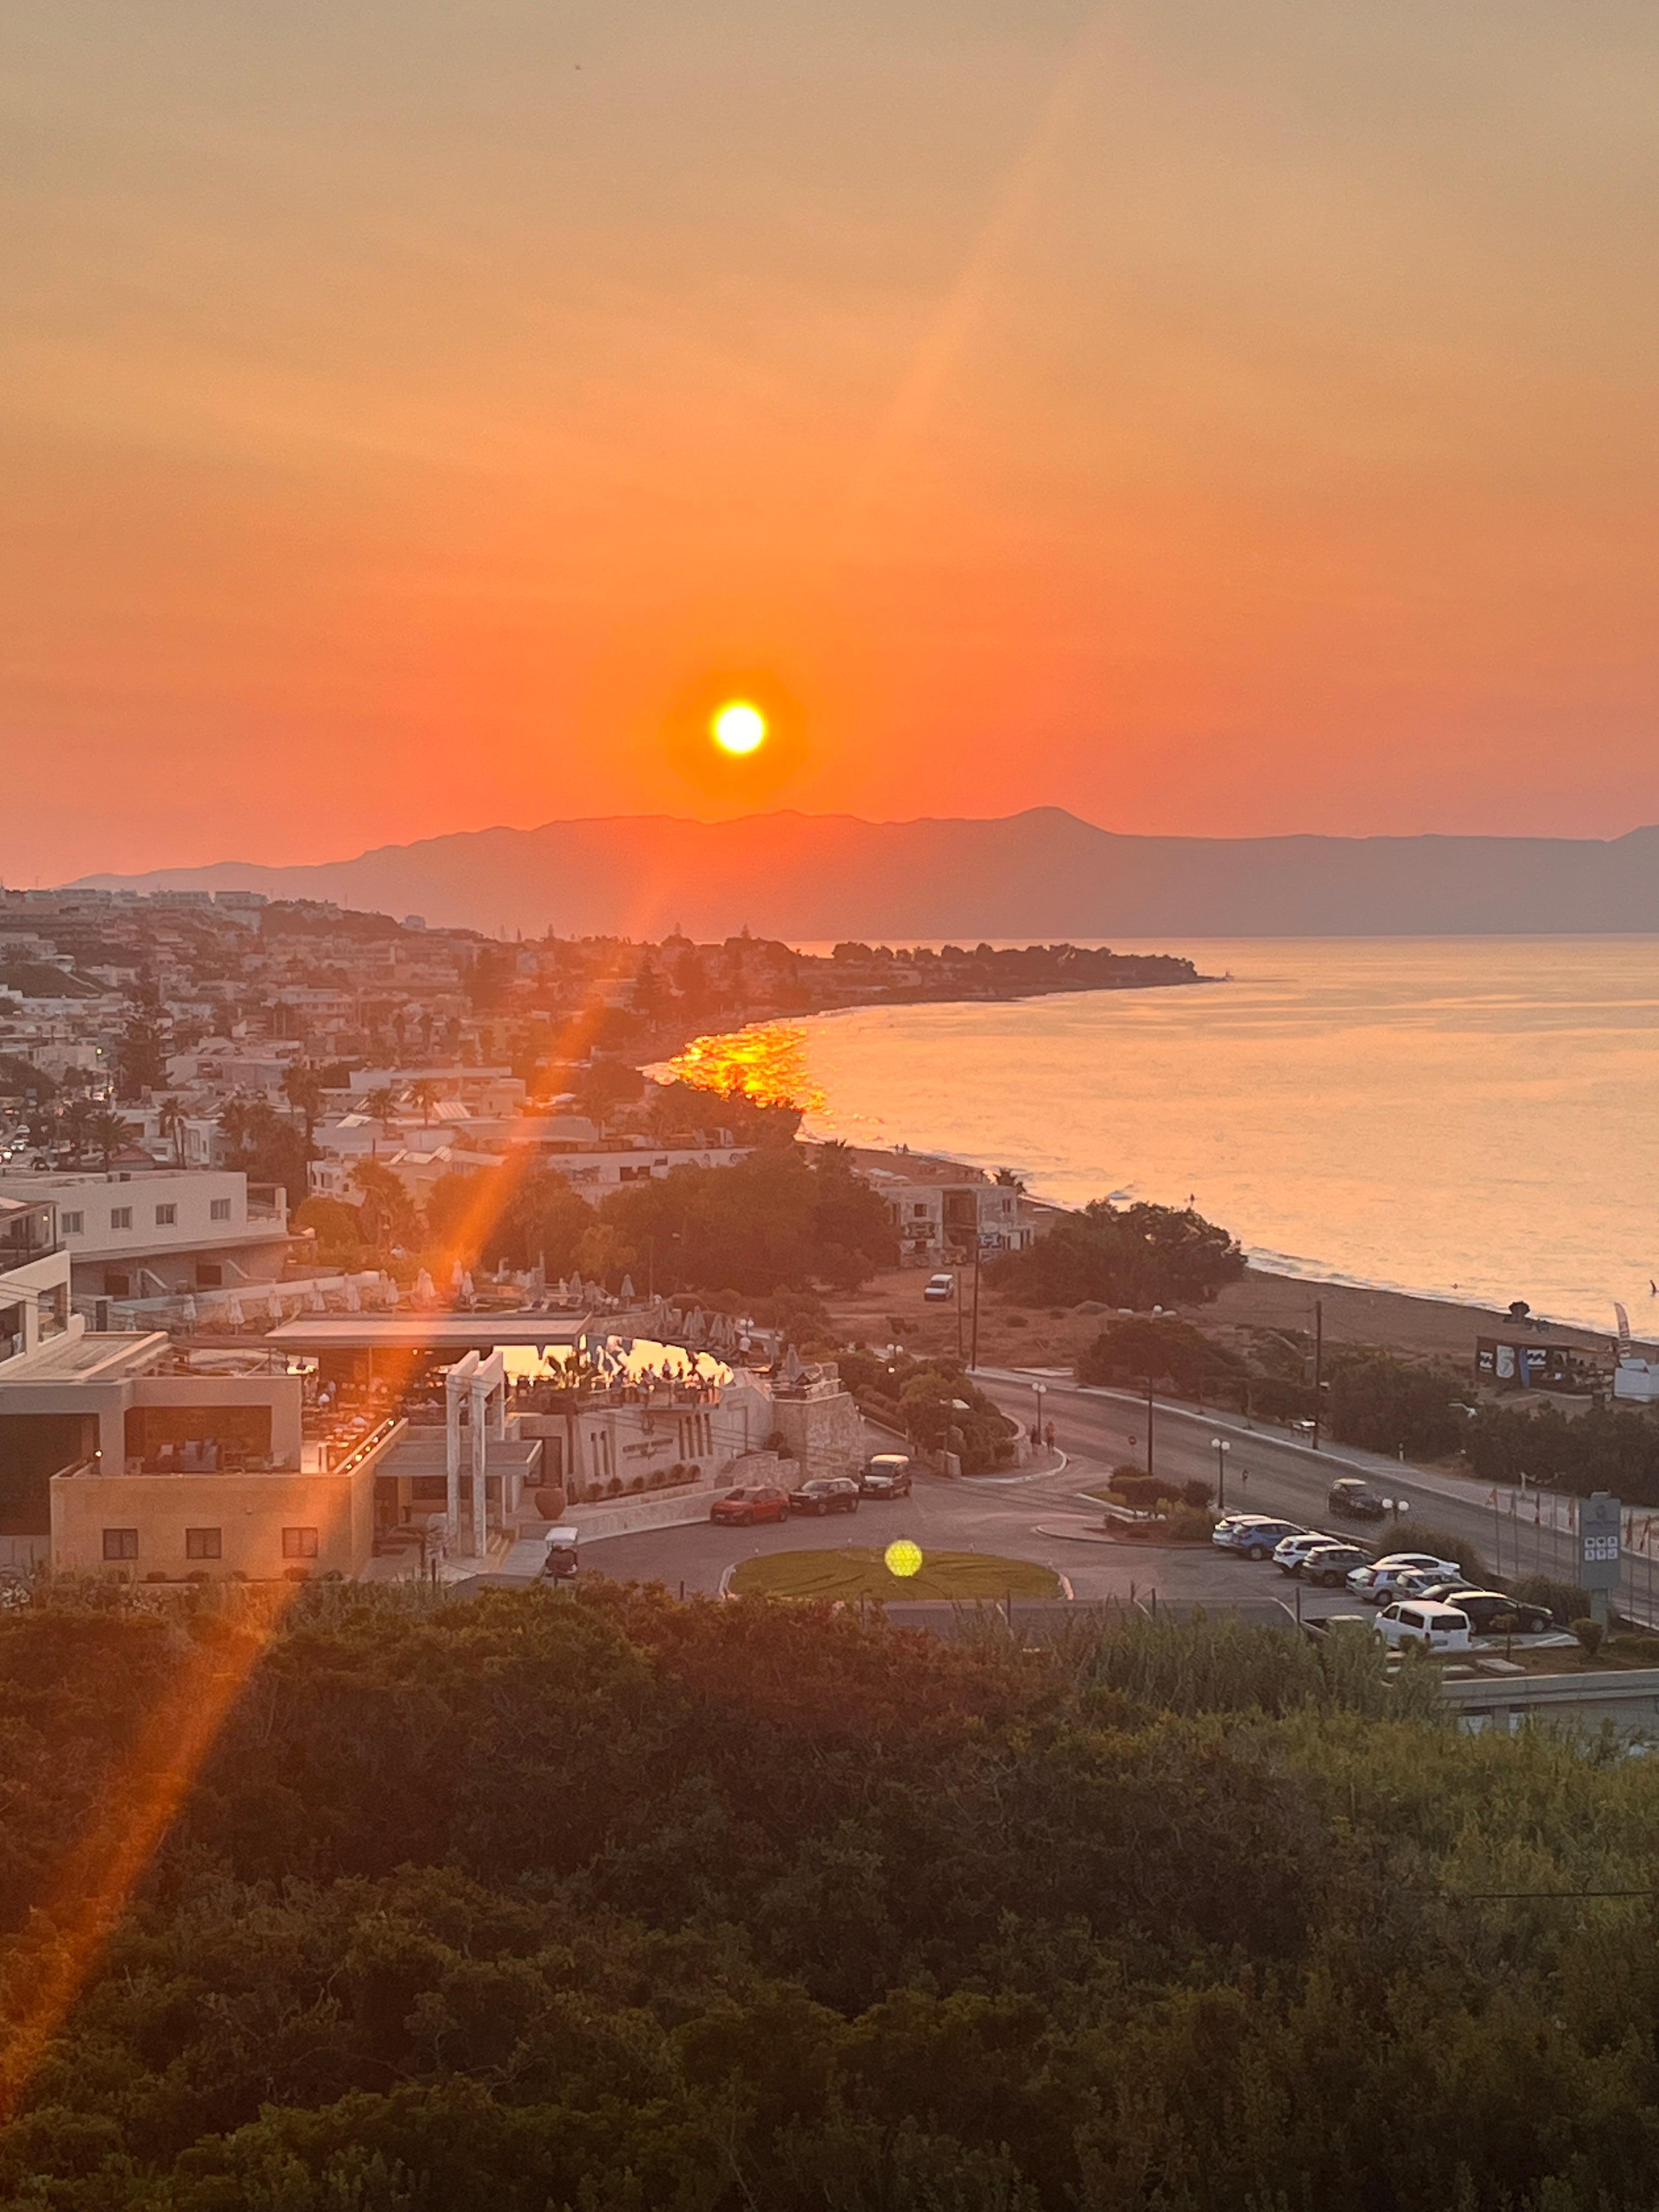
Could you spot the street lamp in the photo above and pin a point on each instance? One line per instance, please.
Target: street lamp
(1221, 1448)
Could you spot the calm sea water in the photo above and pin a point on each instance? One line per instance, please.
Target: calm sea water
(1469, 1117)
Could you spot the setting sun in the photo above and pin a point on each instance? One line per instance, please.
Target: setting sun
(738, 727)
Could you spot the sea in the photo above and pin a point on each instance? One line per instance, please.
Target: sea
(1467, 1118)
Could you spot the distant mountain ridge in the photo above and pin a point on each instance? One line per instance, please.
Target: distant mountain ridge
(1042, 873)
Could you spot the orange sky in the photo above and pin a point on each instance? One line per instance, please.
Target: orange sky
(1208, 415)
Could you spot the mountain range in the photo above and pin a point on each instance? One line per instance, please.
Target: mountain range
(1043, 873)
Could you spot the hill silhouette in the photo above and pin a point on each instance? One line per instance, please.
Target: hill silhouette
(1041, 873)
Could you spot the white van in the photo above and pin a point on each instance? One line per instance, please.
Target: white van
(1420, 1620)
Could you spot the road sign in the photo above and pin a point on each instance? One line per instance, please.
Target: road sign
(1601, 1519)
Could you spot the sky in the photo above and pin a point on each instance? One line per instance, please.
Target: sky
(1227, 416)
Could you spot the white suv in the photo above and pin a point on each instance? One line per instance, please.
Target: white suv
(1419, 1621)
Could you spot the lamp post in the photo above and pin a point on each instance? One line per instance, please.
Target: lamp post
(1221, 1448)
(1037, 1433)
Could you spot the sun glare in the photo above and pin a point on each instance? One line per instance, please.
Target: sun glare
(738, 727)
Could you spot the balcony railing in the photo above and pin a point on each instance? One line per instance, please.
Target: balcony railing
(22, 1251)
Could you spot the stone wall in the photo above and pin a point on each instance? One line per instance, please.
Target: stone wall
(825, 1434)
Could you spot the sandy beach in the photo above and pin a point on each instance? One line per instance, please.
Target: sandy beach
(893, 1306)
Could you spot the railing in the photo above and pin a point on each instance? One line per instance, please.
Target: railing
(367, 1447)
(23, 1251)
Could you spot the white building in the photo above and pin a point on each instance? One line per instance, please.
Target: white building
(160, 1232)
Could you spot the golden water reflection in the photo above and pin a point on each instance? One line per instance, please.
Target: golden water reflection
(767, 1064)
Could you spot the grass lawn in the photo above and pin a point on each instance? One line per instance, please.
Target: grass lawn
(855, 1571)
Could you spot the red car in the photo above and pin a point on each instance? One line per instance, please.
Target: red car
(744, 1507)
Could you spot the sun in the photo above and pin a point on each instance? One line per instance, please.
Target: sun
(738, 727)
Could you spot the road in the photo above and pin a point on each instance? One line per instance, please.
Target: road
(1265, 1473)
(1043, 1517)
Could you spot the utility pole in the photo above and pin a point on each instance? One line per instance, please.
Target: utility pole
(1149, 1425)
(958, 1279)
(974, 1361)
(1319, 1362)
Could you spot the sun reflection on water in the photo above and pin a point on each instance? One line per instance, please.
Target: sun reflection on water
(767, 1064)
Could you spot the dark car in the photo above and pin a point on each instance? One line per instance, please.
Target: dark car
(825, 1494)
(742, 1508)
(1331, 1564)
(1357, 1499)
(888, 1476)
(1494, 1613)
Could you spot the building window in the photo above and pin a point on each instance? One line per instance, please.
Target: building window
(120, 1543)
(209, 1275)
(166, 1216)
(120, 1217)
(220, 1209)
(204, 1544)
(70, 1224)
(298, 1543)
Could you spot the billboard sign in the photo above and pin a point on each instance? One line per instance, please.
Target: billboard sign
(1600, 1521)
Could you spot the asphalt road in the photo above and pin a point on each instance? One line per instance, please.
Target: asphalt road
(1265, 1473)
(1040, 1517)
(1043, 1517)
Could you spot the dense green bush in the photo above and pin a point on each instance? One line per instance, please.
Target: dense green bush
(1389, 1404)
(606, 1904)
(1130, 1255)
(1162, 1350)
(1611, 1448)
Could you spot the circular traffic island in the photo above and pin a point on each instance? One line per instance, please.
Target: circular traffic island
(854, 1572)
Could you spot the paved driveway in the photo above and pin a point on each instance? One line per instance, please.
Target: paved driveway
(1023, 1520)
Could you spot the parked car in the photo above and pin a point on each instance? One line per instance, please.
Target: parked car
(1446, 1590)
(887, 1475)
(1420, 1582)
(1426, 1560)
(562, 1557)
(1357, 1499)
(1418, 1620)
(742, 1509)
(1380, 1582)
(939, 1287)
(1330, 1564)
(1495, 1612)
(1289, 1555)
(1255, 1539)
(826, 1493)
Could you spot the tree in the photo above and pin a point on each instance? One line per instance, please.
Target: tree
(605, 1084)
(302, 1086)
(388, 1212)
(171, 1121)
(1159, 1350)
(1134, 1256)
(140, 1056)
(540, 1221)
(380, 1104)
(424, 1094)
(1391, 1405)
(265, 1146)
(457, 1207)
(649, 996)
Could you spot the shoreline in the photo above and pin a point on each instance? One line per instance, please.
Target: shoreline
(1427, 1323)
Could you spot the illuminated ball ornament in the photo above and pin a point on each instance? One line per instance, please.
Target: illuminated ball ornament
(737, 728)
(903, 1557)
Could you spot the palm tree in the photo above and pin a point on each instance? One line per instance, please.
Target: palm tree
(302, 1087)
(379, 1105)
(108, 1131)
(171, 1120)
(424, 1094)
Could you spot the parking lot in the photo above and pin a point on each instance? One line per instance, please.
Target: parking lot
(1042, 1518)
